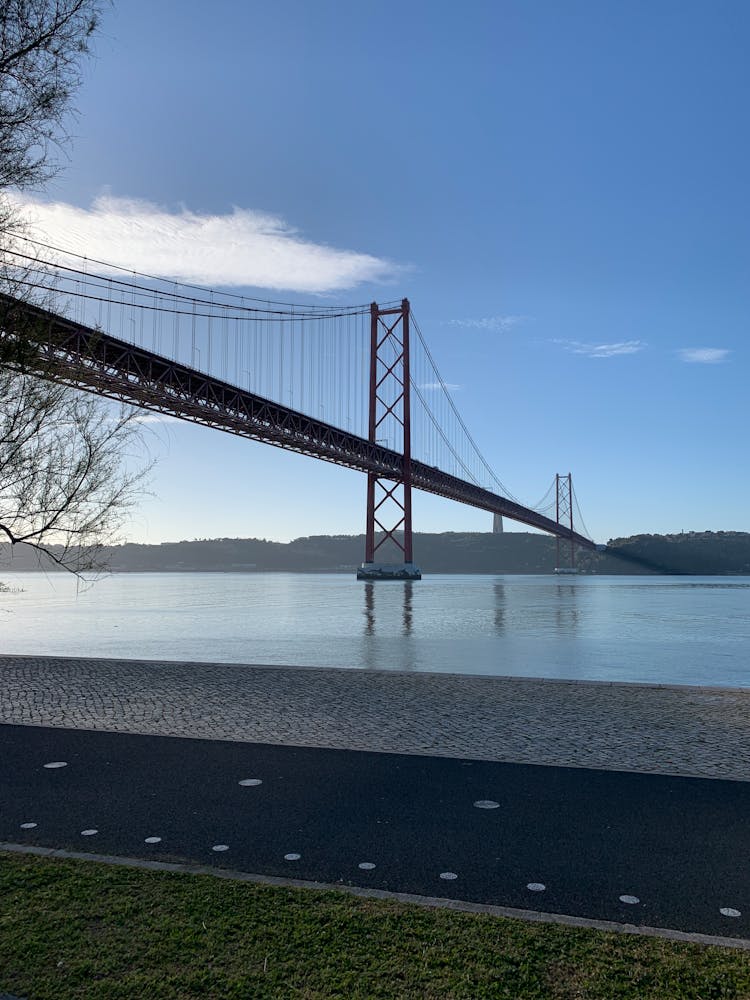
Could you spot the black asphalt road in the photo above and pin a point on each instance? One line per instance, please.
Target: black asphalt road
(678, 845)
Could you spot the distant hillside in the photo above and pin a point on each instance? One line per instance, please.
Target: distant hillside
(697, 553)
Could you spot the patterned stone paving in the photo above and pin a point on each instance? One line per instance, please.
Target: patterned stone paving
(633, 727)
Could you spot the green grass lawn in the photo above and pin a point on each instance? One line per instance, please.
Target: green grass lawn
(75, 929)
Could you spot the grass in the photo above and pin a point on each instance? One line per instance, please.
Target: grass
(78, 929)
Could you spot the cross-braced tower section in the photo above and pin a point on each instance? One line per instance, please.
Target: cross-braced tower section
(564, 515)
(389, 500)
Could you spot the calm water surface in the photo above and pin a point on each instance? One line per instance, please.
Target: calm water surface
(680, 630)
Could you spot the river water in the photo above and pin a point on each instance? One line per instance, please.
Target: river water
(672, 630)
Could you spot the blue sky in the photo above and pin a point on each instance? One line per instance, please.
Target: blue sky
(560, 189)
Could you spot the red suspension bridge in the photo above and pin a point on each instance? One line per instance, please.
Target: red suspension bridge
(355, 385)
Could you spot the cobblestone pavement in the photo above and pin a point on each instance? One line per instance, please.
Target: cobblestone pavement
(633, 727)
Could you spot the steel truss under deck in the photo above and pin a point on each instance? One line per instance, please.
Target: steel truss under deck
(64, 351)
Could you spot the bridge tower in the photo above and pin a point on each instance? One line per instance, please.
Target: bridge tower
(388, 500)
(564, 515)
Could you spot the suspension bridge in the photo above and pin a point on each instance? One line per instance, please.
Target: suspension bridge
(355, 385)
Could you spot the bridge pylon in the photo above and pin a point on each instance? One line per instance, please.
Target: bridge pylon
(389, 499)
(564, 515)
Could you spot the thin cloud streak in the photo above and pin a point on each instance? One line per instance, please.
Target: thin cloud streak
(602, 350)
(242, 248)
(704, 355)
(148, 417)
(501, 323)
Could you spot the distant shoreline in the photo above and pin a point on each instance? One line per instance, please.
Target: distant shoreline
(719, 553)
(10, 568)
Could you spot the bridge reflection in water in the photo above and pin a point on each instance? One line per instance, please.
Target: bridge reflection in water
(407, 607)
(503, 611)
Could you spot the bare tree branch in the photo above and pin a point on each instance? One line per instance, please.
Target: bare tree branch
(70, 470)
(71, 465)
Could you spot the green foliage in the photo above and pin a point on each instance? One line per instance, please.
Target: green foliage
(42, 46)
(695, 553)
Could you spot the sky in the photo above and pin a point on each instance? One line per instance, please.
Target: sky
(561, 191)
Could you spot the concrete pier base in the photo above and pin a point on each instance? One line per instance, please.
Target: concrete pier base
(389, 571)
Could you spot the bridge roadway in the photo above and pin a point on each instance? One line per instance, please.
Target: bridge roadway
(69, 352)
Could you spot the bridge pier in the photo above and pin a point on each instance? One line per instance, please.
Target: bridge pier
(389, 571)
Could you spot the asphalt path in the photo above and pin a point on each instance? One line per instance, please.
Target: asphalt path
(553, 839)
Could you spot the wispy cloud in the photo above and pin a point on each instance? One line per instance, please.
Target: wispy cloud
(602, 350)
(240, 248)
(501, 323)
(704, 355)
(147, 417)
(434, 386)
